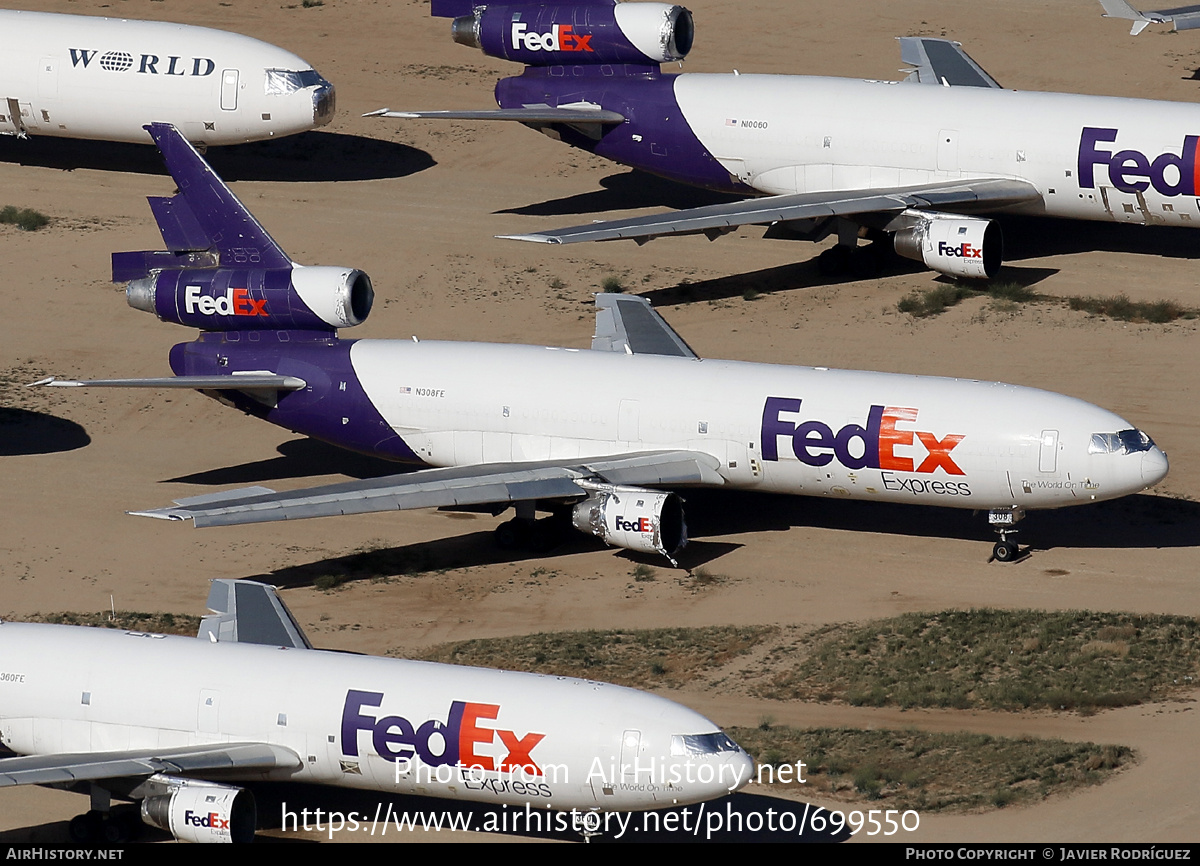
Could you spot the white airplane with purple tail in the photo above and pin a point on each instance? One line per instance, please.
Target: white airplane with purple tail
(179, 724)
(917, 165)
(602, 438)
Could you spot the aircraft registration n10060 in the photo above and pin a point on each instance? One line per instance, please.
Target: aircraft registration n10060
(77, 76)
(249, 699)
(602, 438)
(907, 162)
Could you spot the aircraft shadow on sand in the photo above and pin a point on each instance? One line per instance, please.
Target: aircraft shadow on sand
(1140, 521)
(1037, 237)
(299, 458)
(631, 189)
(309, 156)
(23, 431)
(273, 799)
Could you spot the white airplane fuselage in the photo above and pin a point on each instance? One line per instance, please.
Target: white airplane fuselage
(365, 722)
(78, 76)
(1090, 157)
(784, 429)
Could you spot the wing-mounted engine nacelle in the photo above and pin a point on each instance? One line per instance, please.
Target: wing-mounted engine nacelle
(572, 35)
(228, 299)
(959, 246)
(648, 521)
(192, 810)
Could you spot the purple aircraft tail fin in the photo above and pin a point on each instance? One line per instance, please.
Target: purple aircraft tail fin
(203, 217)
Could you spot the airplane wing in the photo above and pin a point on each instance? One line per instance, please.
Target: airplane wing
(584, 113)
(715, 220)
(458, 486)
(1183, 17)
(627, 323)
(942, 62)
(232, 382)
(67, 769)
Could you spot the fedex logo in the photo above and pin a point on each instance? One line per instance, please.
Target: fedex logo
(560, 38)
(212, 820)
(962, 251)
(1132, 170)
(871, 447)
(455, 739)
(642, 524)
(236, 302)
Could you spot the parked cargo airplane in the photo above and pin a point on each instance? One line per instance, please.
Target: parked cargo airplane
(77, 76)
(914, 161)
(600, 437)
(176, 722)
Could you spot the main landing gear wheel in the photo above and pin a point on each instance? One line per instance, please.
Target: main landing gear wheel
(1005, 551)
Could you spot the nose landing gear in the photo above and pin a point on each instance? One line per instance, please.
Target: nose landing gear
(1003, 519)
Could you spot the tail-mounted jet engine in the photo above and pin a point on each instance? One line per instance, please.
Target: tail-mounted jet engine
(600, 32)
(229, 299)
(192, 810)
(959, 246)
(648, 521)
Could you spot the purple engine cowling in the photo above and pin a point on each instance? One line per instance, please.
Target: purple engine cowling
(583, 33)
(231, 299)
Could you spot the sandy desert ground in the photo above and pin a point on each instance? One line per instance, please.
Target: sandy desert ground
(417, 204)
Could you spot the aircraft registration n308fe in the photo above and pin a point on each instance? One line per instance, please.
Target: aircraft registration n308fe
(175, 722)
(907, 162)
(77, 76)
(602, 437)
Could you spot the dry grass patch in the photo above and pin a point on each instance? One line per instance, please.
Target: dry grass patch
(643, 658)
(996, 659)
(931, 772)
(125, 620)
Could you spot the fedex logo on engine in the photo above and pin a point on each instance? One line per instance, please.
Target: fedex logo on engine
(1133, 171)
(816, 444)
(561, 37)
(235, 302)
(962, 251)
(212, 820)
(642, 524)
(454, 742)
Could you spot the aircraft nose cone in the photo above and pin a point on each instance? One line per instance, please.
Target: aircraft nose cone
(743, 770)
(324, 104)
(1154, 466)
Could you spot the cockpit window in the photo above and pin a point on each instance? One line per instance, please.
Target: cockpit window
(285, 81)
(1124, 441)
(701, 744)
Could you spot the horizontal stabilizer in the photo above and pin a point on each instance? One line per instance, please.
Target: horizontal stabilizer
(535, 114)
(232, 382)
(714, 220)
(452, 487)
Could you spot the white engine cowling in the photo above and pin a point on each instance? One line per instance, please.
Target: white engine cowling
(341, 296)
(648, 521)
(193, 810)
(959, 246)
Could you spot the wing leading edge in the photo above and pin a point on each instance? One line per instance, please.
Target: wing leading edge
(715, 220)
(566, 480)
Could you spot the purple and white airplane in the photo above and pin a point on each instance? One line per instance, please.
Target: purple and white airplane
(601, 437)
(912, 161)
